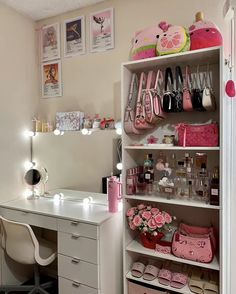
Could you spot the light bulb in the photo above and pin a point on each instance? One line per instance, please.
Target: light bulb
(85, 131)
(119, 131)
(62, 133)
(119, 166)
(86, 201)
(57, 197)
(28, 165)
(28, 133)
(27, 193)
(57, 132)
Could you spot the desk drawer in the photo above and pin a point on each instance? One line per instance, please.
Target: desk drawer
(30, 218)
(77, 246)
(85, 230)
(72, 287)
(78, 270)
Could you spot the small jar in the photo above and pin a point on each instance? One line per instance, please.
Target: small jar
(168, 139)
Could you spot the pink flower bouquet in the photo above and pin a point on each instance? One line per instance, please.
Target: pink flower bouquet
(148, 219)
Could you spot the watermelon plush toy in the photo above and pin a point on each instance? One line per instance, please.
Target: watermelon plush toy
(174, 39)
(204, 34)
(144, 43)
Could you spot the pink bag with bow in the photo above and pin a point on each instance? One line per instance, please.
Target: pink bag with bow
(194, 243)
(187, 95)
(198, 135)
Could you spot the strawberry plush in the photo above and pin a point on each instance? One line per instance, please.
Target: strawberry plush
(204, 33)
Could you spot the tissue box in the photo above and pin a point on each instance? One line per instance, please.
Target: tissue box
(69, 121)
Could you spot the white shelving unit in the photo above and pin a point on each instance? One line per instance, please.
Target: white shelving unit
(135, 147)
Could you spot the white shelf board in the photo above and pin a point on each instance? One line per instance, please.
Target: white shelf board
(160, 199)
(184, 290)
(136, 247)
(207, 55)
(158, 147)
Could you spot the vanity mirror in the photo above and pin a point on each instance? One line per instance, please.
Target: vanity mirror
(36, 179)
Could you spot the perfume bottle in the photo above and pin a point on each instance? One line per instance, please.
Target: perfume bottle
(149, 173)
(214, 188)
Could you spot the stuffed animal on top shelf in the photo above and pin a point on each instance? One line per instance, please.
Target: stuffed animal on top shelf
(174, 39)
(144, 43)
(204, 33)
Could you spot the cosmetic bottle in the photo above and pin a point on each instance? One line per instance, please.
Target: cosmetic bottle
(149, 173)
(214, 188)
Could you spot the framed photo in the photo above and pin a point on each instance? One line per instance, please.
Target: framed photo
(74, 36)
(101, 30)
(51, 79)
(50, 42)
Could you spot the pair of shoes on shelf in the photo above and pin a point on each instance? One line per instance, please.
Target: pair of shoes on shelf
(204, 281)
(173, 274)
(148, 272)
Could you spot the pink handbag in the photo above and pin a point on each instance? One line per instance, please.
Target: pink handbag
(187, 96)
(152, 98)
(140, 116)
(194, 243)
(130, 107)
(198, 135)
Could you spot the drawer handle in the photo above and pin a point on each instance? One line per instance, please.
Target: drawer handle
(75, 236)
(74, 223)
(75, 260)
(75, 284)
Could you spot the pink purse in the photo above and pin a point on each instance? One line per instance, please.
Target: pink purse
(198, 135)
(140, 116)
(194, 243)
(187, 95)
(129, 126)
(152, 98)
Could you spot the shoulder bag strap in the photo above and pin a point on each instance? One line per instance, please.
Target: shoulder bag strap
(141, 86)
(131, 89)
(178, 77)
(188, 83)
(168, 78)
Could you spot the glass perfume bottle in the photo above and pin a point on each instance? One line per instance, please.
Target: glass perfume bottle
(214, 188)
(149, 173)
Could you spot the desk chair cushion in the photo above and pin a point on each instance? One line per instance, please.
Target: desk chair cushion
(22, 245)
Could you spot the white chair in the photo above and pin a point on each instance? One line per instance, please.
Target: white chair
(21, 244)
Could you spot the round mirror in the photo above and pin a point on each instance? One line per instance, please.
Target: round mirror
(33, 177)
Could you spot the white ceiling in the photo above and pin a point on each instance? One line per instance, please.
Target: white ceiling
(39, 9)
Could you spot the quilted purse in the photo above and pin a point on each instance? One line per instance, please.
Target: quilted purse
(129, 116)
(194, 243)
(152, 98)
(168, 97)
(140, 122)
(198, 135)
(187, 95)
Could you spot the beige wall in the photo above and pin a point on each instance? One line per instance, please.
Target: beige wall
(18, 92)
(92, 82)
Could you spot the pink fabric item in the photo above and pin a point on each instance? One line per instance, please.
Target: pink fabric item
(165, 276)
(187, 97)
(204, 34)
(230, 88)
(198, 135)
(194, 243)
(179, 280)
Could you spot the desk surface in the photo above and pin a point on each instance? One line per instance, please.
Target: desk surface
(71, 207)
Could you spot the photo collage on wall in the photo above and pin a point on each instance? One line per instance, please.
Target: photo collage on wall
(101, 39)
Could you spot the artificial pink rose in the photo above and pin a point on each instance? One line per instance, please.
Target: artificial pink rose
(130, 212)
(152, 224)
(137, 221)
(132, 226)
(168, 218)
(160, 220)
(146, 215)
(141, 206)
(154, 210)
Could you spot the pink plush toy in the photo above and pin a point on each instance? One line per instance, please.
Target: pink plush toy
(145, 41)
(204, 34)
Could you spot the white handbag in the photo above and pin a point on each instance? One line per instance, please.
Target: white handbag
(208, 98)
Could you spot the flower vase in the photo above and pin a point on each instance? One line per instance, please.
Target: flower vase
(149, 240)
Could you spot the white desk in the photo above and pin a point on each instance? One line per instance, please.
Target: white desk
(89, 239)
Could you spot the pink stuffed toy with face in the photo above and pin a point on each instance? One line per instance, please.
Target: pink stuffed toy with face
(204, 34)
(145, 41)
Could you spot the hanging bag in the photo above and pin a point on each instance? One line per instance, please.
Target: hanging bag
(178, 92)
(208, 98)
(187, 94)
(168, 97)
(197, 92)
(129, 116)
(152, 98)
(140, 122)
